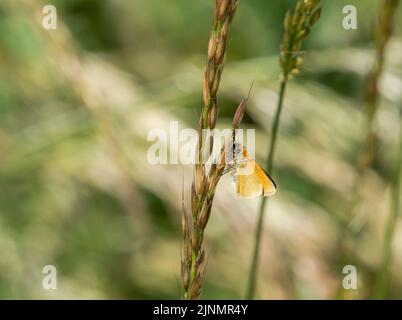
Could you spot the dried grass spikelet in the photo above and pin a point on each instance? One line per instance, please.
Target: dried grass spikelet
(204, 183)
(224, 13)
(297, 27)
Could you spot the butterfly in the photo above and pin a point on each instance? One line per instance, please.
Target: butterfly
(250, 179)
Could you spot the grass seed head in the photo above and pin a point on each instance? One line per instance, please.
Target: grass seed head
(297, 28)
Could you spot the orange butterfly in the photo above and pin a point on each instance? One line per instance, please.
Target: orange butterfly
(251, 180)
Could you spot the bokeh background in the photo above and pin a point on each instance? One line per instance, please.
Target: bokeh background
(77, 191)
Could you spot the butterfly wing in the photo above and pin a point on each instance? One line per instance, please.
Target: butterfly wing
(255, 184)
(268, 184)
(252, 181)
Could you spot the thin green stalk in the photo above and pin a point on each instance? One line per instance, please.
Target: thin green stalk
(381, 287)
(382, 34)
(297, 27)
(257, 242)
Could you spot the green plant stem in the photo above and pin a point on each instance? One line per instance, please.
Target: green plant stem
(381, 287)
(251, 286)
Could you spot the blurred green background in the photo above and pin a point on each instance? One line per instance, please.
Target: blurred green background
(77, 191)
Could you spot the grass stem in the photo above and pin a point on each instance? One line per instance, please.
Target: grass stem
(257, 242)
(297, 26)
(381, 287)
